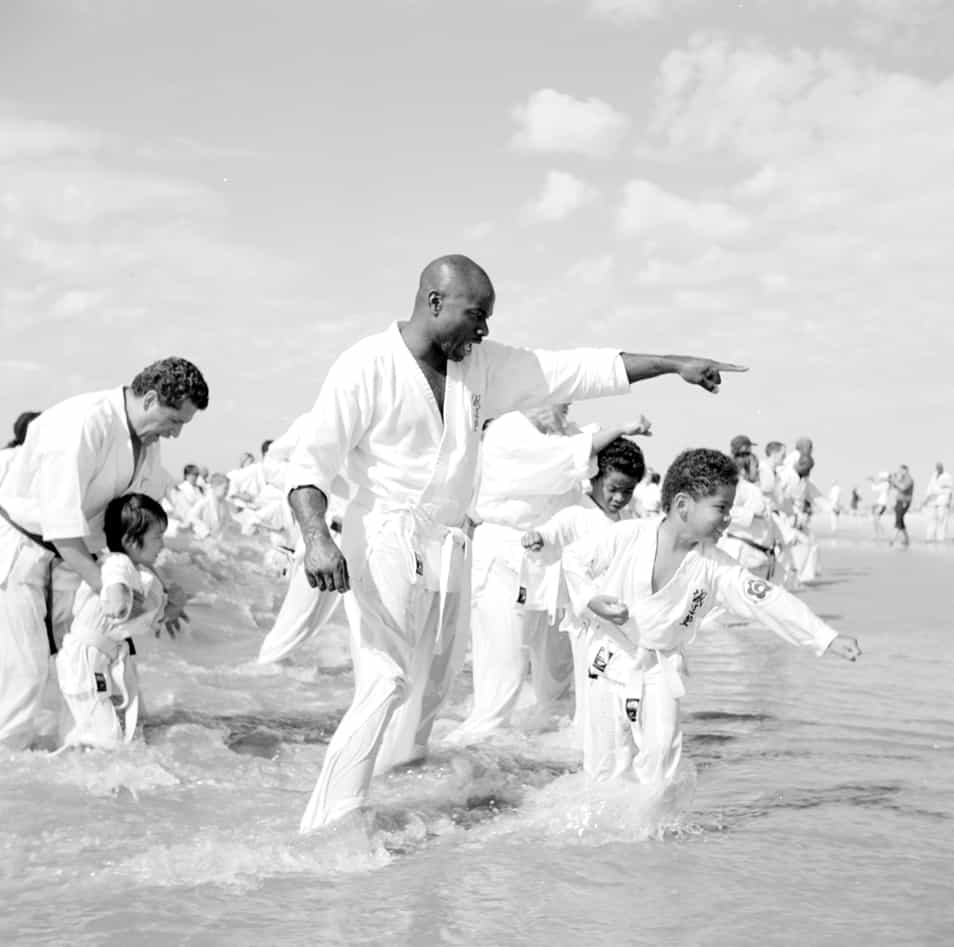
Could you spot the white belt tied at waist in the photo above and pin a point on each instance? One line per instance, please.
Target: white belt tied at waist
(532, 570)
(420, 531)
(627, 667)
(97, 639)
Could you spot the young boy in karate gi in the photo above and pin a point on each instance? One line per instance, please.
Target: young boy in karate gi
(643, 588)
(620, 469)
(95, 668)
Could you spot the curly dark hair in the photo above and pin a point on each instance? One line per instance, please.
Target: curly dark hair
(128, 517)
(20, 427)
(621, 455)
(175, 381)
(699, 473)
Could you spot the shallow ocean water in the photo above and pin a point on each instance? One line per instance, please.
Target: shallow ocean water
(816, 804)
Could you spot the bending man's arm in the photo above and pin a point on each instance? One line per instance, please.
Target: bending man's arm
(696, 371)
(77, 557)
(325, 566)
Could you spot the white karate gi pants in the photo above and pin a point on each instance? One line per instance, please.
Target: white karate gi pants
(506, 638)
(632, 731)
(302, 615)
(25, 575)
(405, 660)
(100, 692)
(937, 523)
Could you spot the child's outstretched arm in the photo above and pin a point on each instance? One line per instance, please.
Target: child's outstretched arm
(746, 595)
(563, 528)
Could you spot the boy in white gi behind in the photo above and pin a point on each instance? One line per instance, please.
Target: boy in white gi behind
(644, 587)
(533, 466)
(620, 468)
(97, 677)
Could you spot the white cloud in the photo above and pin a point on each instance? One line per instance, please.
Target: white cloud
(650, 212)
(20, 365)
(628, 11)
(553, 122)
(563, 193)
(77, 302)
(80, 192)
(33, 138)
(593, 271)
(478, 231)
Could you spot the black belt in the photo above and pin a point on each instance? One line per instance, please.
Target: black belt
(769, 551)
(48, 586)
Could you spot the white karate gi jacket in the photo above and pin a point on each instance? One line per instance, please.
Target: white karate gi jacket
(78, 455)
(619, 562)
(376, 424)
(526, 477)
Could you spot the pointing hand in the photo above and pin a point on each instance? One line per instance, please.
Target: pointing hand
(706, 373)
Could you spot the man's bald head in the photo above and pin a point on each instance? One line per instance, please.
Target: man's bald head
(452, 275)
(455, 298)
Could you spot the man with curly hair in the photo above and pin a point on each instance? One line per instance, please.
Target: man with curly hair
(77, 456)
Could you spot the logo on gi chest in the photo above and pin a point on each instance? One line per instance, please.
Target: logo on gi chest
(475, 410)
(698, 597)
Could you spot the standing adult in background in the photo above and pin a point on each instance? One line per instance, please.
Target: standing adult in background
(77, 456)
(19, 435)
(750, 536)
(881, 486)
(855, 501)
(834, 506)
(937, 500)
(903, 484)
(533, 465)
(400, 415)
(768, 473)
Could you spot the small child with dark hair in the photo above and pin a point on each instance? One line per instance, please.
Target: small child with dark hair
(642, 589)
(97, 677)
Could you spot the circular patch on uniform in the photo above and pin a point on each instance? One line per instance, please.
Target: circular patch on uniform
(756, 590)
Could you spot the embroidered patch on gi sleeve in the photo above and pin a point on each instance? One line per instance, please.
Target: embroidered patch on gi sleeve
(756, 590)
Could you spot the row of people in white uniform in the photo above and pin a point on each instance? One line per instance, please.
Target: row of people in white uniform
(399, 416)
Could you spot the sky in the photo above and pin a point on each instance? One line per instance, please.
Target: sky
(254, 186)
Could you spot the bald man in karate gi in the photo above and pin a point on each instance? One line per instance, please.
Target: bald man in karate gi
(400, 416)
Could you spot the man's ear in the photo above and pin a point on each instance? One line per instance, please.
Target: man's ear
(435, 302)
(149, 400)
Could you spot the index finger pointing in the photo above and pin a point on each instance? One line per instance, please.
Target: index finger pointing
(729, 367)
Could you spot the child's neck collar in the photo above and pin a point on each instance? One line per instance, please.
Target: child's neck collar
(672, 536)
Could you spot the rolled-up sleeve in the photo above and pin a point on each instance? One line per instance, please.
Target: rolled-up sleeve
(525, 378)
(339, 419)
